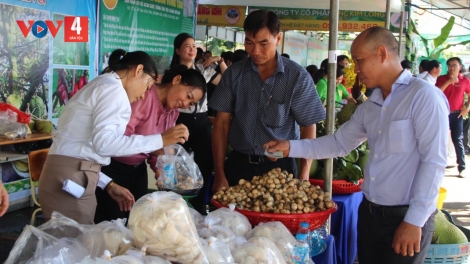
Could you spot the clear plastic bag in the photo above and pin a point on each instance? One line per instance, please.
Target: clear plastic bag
(60, 226)
(258, 250)
(147, 259)
(197, 217)
(217, 251)
(231, 219)
(112, 236)
(277, 233)
(161, 221)
(210, 228)
(237, 241)
(9, 127)
(179, 171)
(35, 246)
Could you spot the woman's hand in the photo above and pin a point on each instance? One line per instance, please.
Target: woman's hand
(4, 201)
(176, 134)
(122, 196)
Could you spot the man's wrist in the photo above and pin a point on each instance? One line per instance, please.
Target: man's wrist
(109, 186)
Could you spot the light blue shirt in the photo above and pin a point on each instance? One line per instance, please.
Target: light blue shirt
(407, 135)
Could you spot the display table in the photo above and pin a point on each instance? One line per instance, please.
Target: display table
(329, 256)
(343, 226)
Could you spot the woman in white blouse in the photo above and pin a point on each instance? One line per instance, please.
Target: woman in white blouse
(90, 130)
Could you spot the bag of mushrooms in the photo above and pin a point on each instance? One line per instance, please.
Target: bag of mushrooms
(178, 170)
(161, 222)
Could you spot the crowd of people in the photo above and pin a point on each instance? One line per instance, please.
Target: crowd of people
(258, 100)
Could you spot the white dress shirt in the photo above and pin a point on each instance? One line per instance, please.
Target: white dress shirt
(93, 123)
(421, 75)
(428, 77)
(407, 135)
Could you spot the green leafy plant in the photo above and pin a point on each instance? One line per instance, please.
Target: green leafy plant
(439, 44)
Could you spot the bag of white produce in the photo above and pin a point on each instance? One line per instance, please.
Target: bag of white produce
(161, 221)
(217, 251)
(258, 250)
(231, 219)
(197, 217)
(112, 236)
(277, 233)
(147, 259)
(209, 228)
(178, 170)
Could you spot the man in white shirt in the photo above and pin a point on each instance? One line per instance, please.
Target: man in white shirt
(422, 69)
(433, 70)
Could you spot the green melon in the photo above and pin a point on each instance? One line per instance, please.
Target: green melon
(38, 107)
(445, 232)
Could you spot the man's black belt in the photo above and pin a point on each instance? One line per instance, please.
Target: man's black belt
(252, 159)
(386, 211)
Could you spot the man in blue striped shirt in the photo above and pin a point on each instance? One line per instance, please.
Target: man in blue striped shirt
(261, 98)
(405, 121)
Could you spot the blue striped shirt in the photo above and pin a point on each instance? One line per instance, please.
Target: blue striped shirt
(407, 136)
(264, 111)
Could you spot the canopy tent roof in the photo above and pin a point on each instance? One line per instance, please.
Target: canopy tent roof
(445, 9)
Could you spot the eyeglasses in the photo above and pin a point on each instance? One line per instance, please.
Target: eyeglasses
(452, 65)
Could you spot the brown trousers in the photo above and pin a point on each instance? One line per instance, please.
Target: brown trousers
(56, 170)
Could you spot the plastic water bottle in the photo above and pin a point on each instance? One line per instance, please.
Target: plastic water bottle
(323, 231)
(305, 229)
(300, 252)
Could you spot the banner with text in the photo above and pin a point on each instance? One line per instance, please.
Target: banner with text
(225, 16)
(319, 19)
(47, 52)
(146, 25)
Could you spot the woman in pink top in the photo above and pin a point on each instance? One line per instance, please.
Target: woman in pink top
(154, 114)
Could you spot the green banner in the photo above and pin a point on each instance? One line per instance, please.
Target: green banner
(318, 19)
(146, 25)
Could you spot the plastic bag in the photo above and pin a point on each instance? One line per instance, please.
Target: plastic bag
(123, 259)
(231, 219)
(258, 250)
(162, 222)
(217, 251)
(237, 241)
(10, 127)
(112, 236)
(147, 259)
(179, 171)
(277, 233)
(209, 228)
(197, 217)
(60, 226)
(21, 116)
(37, 247)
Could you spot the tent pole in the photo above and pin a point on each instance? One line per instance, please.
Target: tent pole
(330, 99)
(402, 22)
(387, 15)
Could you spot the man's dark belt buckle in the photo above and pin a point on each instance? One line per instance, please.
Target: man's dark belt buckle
(255, 159)
(376, 209)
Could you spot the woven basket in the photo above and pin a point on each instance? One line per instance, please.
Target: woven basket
(340, 186)
(291, 221)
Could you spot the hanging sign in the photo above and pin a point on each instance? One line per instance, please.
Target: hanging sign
(228, 16)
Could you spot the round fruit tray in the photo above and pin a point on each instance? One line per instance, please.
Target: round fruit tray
(291, 221)
(340, 186)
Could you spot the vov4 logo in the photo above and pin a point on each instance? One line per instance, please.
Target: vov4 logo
(75, 28)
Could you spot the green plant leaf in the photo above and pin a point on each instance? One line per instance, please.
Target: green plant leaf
(425, 41)
(445, 31)
(436, 54)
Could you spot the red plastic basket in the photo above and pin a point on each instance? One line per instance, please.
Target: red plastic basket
(340, 186)
(291, 221)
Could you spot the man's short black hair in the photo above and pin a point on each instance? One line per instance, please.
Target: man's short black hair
(342, 58)
(285, 55)
(257, 20)
(431, 65)
(406, 64)
(423, 63)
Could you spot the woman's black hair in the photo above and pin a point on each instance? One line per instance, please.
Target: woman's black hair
(339, 70)
(122, 60)
(239, 55)
(190, 77)
(322, 71)
(312, 69)
(179, 40)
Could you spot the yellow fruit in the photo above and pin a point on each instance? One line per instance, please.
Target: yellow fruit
(21, 165)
